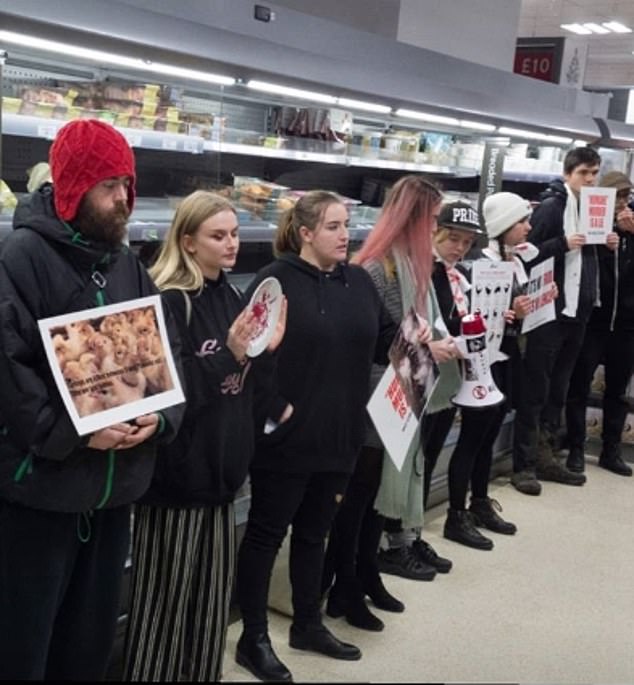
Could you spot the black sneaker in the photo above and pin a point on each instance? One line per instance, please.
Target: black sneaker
(401, 561)
(427, 554)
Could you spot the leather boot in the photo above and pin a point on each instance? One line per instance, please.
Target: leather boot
(347, 598)
(459, 527)
(255, 653)
(381, 598)
(317, 638)
(428, 555)
(485, 515)
(576, 461)
(611, 459)
(547, 466)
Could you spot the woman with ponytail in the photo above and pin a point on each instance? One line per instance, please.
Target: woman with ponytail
(313, 424)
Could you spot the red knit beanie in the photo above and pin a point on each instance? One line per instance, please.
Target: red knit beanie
(84, 153)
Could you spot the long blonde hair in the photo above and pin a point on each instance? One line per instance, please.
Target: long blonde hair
(175, 267)
(307, 211)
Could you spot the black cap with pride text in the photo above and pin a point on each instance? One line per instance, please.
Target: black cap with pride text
(461, 216)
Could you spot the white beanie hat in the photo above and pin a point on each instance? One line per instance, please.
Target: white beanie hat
(502, 211)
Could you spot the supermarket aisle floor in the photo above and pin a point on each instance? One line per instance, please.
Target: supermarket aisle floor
(553, 604)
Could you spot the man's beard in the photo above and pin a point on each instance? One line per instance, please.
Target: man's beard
(103, 226)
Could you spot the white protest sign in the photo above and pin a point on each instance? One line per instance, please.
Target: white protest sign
(491, 291)
(596, 213)
(392, 416)
(112, 363)
(541, 290)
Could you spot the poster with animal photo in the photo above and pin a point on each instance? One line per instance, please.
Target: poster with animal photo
(415, 367)
(112, 363)
(491, 292)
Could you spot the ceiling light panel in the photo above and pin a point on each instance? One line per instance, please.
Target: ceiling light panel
(596, 28)
(576, 28)
(616, 27)
(275, 89)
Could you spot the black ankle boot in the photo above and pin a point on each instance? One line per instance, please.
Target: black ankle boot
(611, 459)
(381, 598)
(346, 598)
(255, 653)
(459, 527)
(576, 461)
(485, 515)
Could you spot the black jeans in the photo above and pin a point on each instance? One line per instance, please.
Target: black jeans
(308, 502)
(357, 528)
(59, 597)
(551, 353)
(616, 350)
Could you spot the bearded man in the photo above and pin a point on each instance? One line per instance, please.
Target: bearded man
(65, 499)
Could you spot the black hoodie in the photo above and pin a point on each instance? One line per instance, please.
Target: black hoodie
(547, 233)
(336, 327)
(209, 459)
(46, 270)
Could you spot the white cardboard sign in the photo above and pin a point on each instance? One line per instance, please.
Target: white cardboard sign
(113, 363)
(596, 213)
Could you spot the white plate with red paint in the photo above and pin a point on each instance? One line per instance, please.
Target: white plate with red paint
(266, 305)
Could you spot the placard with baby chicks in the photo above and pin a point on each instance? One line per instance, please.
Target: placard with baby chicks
(112, 363)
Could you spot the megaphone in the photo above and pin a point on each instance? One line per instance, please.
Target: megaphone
(478, 389)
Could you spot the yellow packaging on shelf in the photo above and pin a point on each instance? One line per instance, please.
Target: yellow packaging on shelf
(149, 107)
(70, 96)
(172, 114)
(44, 109)
(74, 113)
(7, 199)
(11, 105)
(152, 89)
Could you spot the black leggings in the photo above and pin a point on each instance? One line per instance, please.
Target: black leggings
(471, 459)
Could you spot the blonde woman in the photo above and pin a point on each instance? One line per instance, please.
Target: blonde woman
(184, 533)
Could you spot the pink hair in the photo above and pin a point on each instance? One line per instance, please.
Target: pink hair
(405, 224)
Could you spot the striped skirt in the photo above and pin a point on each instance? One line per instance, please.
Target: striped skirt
(183, 564)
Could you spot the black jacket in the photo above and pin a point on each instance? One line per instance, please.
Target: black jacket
(336, 327)
(547, 233)
(45, 270)
(616, 277)
(208, 461)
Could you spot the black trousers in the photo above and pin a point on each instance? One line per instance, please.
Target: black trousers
(308, 502)
(550, 356)
(59, 597)
(470, 462)
(357, 528)
(616, 350)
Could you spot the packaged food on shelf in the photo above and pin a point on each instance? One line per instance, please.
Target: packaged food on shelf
(11, 105)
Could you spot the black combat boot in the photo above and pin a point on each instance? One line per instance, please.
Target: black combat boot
(485, 515)
(459, 527)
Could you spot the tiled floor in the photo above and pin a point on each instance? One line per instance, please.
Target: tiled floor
(552, 604)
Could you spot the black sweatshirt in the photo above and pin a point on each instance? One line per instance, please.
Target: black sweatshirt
(208, 461)
(337, 326)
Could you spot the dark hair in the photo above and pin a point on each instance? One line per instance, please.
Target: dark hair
(578, 156)
(307, 211)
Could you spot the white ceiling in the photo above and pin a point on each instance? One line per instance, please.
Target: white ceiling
(610, 62)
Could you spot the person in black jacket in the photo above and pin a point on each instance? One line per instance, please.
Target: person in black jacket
(64, 499)
(552, 349)
(184, 541)
(609, 339)
(314, 428)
